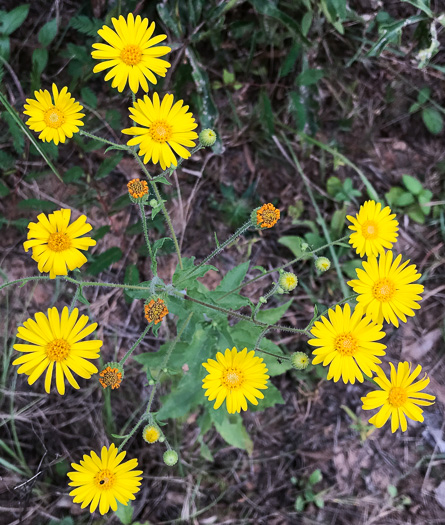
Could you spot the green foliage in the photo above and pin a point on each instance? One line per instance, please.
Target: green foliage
(413, 199)
(430, 111)
(308, 494)
(105, 260)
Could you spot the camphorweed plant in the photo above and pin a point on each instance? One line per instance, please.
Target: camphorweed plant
(218, 353)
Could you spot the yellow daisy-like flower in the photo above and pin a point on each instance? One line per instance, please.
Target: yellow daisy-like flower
(131, 53)
(399, 397)
(54, 118)
(233, 377)
(168, 128)
(105, 480)
(386, 289)
(56, 343)
(55, 243)
(374, 229)
(347, 343)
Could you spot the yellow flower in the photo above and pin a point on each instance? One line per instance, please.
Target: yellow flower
(374, 229)
(105, 480)
(131, 53)
(151, 433)
(55, 245)
(56, 118)
(137, 188)
(233, 377)
(267, 216)
(399, 397)
(347, 344)
(167, 127)
(56, 343)
(386, 289)
(288, 281)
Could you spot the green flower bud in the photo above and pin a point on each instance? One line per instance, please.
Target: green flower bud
(207, 137)
(153, 203)
(288, 281)
(299, 360)
(170, 457)
(322, 264)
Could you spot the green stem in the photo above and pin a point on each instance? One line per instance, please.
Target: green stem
(217, 250)
(105, 141)
(75, 297)
(136, 344)
(154, 265)
(263, 300)
(132, 431)
(163, 208)
(312, 322)
(277, 327)
(321, 221)
(293, 261)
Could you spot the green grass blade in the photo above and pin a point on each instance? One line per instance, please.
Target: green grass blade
(26, 131)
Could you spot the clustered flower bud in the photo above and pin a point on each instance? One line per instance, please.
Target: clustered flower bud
(287, 282)
(151, 433)
(299, 360)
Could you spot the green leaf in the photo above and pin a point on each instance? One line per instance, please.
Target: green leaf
(315, 477)
(180, 277)
(268, 8)
(5, 50)
(334, 186)
(412, 184)
(397, 196)
(37, 204)
(414, 107)
(157, 245)
(85, 25)
(266, 113)
(4, 190)
(100, 232)
(73, 174)
(392, 490)
(12, 20)
(228, 77)
(18, 139)
(306, 23)
(131, 277)
(310, 77)
(272, 397)
(139, 294)
(104, 260)
(338, 222)
(298, 108)
(291, 58)
(89, 97)
(273, 315)
(432, 120)
(233, 432)
(415, 212)
(294, 243)
(39, 60)
(48, 33)
(299, 503)
(423, 95)
(425, 197)
(124, 513)
(108, 165)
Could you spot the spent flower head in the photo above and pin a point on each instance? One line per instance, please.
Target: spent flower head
(155, 310)
(111, 375)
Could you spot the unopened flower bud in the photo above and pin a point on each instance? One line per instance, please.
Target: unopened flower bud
(299, 360)
(151, 433)
(322, 264)
(288, 281)
(170, 457)
(153, 203)
(207, 137)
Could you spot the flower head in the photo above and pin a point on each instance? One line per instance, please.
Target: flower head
(170, 457)
(151, 433)
(131, 53)
(266, 216)
(55, 243)
(322, 264)
(233, 377)
(374, 229)
(155, 311)
(399, 397)
(105, 480)
(288, 281)
(138, 190)
(111, 375)
(299, 360)
(167, 128)
(207, 137)
(54, 118)
(56, 344)
(347, 343)
(386, 288)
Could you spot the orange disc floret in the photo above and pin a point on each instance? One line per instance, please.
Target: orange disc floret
(137, 188)
(155, 311)
(111, 376)
(267, 216)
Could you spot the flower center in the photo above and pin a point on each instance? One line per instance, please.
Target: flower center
(53, 117)
(160, 131)
(232, 378)
(383, 290)
(104, 479)
(346, 344)
(267, 216)
(110, 377)
(370, 230)
(137, 188)
(58, 242)
(397, 396)
(152, 435)
(155, 311)
(57, 350)
(131, 55)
